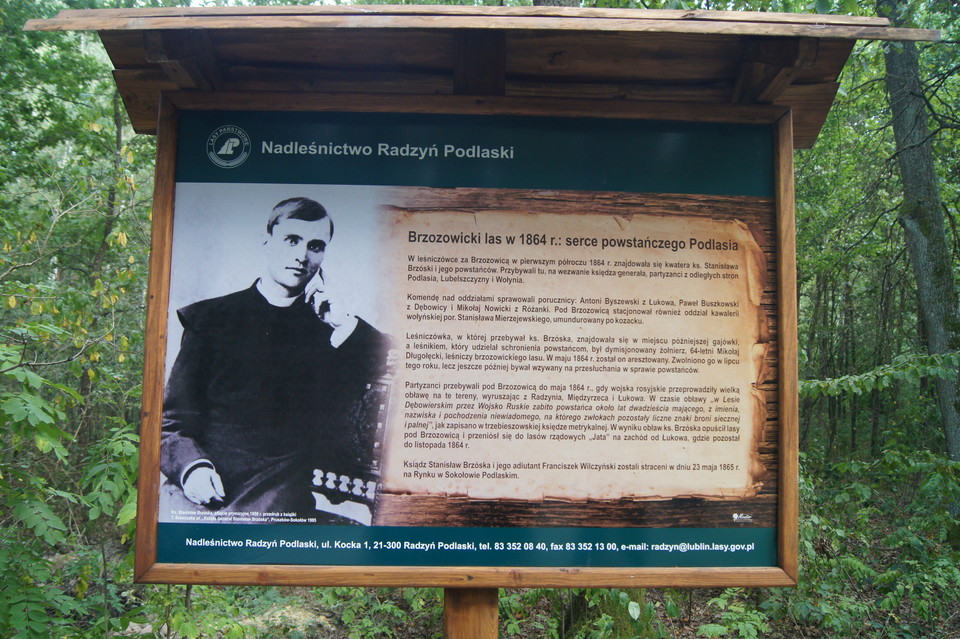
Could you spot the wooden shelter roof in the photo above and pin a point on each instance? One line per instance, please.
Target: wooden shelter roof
(678, 62)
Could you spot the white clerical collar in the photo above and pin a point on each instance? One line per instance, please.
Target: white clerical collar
(275, 295)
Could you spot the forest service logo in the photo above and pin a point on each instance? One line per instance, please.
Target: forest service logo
(228, 147)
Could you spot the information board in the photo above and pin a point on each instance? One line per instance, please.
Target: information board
(470, 340)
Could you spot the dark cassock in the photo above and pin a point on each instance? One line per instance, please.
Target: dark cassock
(258, 392)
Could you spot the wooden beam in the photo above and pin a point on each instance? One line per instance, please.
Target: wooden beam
(479, 105)
(810, 104)
(251, 78)
(464, 577)
(501, 21)
(480, 62)
(768, 68)
(206, 58)
(712, 93)
(167, 121)
(561, 12)
(789, 511)
(140, 90)
(186, 57)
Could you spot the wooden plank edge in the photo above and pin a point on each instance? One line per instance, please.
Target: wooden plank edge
(564, 12)
(472, 105)
(789, 506)
(510, 23)
(158, 290)
(464, 576)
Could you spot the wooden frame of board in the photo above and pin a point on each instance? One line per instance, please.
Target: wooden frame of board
(783, 439)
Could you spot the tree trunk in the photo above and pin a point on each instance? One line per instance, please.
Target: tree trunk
(921, 216)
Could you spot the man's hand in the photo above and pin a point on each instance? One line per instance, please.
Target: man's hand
(203, 486)
(325, 303)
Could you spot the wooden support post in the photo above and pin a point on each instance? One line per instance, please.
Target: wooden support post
(470, 613)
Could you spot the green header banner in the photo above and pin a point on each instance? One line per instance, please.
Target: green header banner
(446, 151)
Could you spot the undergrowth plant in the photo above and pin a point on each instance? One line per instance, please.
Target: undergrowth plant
(737, 617)
(879, 551)
(366, 613)
(612, 613)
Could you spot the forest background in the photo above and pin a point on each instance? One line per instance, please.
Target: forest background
(878, 247)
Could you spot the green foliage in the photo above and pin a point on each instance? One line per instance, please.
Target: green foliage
(858, 302)
(912, 369)
(369, 612)
(737, 618)
(109, 475)
(192, 612)
(600, 613)
(874, 549)
(73, 245)
(28, 605)
(520, 615)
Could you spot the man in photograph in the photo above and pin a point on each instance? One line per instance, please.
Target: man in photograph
(267, 408)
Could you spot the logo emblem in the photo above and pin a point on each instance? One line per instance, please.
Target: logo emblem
(228, 147)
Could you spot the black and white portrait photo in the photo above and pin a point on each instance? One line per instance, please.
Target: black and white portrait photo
(277, 372)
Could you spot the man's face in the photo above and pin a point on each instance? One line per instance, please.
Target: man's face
(295, 251)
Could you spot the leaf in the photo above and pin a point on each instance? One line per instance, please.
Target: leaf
(26, 407)
(711, 630)
(128, 512)
(672, 609)
(634, 609)
(189, 629)
(66, 389)
(38, 517)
